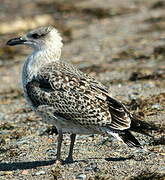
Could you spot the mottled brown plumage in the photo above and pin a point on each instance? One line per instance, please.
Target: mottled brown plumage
(76, 97)
(66, 97)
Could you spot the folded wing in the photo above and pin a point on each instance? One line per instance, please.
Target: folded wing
(77, 97)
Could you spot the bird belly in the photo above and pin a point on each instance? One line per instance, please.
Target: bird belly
(67, 126)
(80, 130)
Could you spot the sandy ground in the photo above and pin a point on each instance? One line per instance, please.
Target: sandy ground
(122, 44)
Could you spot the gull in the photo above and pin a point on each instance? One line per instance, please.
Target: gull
(69, 99)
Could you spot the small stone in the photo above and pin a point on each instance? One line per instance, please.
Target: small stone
(119, 85)
(2, 115)
(8, 173)
(149, 85)
(23, 141)
(88, 169)
(161, 170)
(40, 173)
(156, 106)
(140, 150)
(51, 152)
(25, 172)
(81, 176)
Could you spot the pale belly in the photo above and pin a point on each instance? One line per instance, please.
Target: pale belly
(68, 126)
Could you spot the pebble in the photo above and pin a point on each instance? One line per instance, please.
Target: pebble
(119, 85)
(140, 150)
(161, 170)
(149, 85)
(2, 115)
(156, 106)
(24, 141)
(88, 169)
(133, 95)
(8, 173)
(42, 131)
(51, 152)
(81, 176)
(25, 172)
(40, 173)
(136, 87)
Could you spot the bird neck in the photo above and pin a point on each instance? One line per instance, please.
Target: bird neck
(37, 60)
(42, 57)
(47, 55)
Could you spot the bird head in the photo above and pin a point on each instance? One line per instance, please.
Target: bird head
(39, 39)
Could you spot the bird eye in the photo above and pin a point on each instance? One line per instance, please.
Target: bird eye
(35, 36)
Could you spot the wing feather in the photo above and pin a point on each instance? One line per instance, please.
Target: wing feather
(77, 97)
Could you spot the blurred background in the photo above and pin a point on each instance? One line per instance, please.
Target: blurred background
(121, 43)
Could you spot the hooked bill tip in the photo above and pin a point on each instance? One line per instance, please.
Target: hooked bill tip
(15, 41)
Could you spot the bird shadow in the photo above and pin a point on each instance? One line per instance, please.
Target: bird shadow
(34, 164)
(119, 158)
(24, 165)
(115, 159)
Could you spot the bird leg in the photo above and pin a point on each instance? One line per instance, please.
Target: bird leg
(70, 157)
(60, 139)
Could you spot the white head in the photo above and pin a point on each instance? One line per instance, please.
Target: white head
(43, 38)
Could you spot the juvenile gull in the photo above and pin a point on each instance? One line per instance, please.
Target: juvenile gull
(67, 98)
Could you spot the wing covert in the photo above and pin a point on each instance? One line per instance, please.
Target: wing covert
(77, 97)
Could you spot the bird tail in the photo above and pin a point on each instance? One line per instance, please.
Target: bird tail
(129, 139)
(125, 136)
(142, 126)
(139, 127)
(136, 125)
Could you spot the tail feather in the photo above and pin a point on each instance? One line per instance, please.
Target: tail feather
(129, 139)
(137, 126)
(141, 126)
